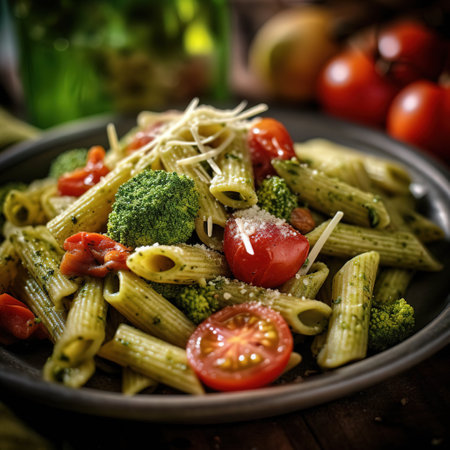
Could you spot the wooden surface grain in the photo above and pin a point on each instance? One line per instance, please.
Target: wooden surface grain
(410, 410)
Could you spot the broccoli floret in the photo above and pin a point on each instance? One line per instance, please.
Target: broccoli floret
(390, 323)
(154, 206)
(168, 291)
(198, 302)
(68, 161)
(275, 197)
(4, 191)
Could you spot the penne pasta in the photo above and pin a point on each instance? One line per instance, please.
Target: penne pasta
(179, 264)
(347, 335)
(305, 316)
(146, 309)
(27, 289)
(397, 249)
(330, 195)
(83, 335)
(234, 186)
(23, 208)
(168, 364)
(391, 284)
(8, 265)
(41, 256)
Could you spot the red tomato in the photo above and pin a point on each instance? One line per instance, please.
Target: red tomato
(350, 87)
(240, 347)
(143, 137)
(79, 181)
(17, 322)
(278, 250)
(411, 51)
(420, 114)
(93, 254)
(268, 139)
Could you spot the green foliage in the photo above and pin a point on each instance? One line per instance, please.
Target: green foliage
(155, 206)
(4, 191)
(198, 302)
(68, 161)
(390, 323)
(275, 197)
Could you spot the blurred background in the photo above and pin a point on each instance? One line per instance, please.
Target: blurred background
(383, 63)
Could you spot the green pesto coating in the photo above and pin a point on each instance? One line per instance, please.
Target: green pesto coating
(154, 206)
(168, 291)
(275, 197)
(4, 191)
(390, 324)
(198, 302)
(68, 161)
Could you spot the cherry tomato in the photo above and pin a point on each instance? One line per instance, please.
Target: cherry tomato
(145, 136)
(80, 180)
(263, 252)
(420, 114)
(93, 254)
(411, 51)
(350, 87)
(240, 347)
(268, 139)
(17, 321)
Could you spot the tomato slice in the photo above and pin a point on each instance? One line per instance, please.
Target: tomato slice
(93, 254)
(145, 136)
(244, 346)
(273, 253)
(76, 183)
(268, 139)
(17, 321)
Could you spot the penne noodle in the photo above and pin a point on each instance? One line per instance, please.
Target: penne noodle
(179, 264)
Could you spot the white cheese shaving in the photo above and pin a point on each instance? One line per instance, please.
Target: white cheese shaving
(321, 242)
(245, 237)
(112, 137)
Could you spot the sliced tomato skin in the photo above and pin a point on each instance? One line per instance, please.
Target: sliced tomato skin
(17, 321)
(79, 181)
(93, 254)
(143, 137)
(221, 331)
(279, 252)
(268, 139)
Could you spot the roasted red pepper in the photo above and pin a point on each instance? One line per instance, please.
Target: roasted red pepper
(145, 136)
(17, 321)
(80, 180)
(93, 254)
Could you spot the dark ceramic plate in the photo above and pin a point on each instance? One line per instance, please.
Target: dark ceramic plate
(20, 366)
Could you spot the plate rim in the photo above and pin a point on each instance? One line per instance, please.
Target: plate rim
(246, 405)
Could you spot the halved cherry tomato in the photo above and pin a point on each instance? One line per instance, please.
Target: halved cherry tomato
(145, 136)
(17, 321)
(240, 347)
(268, 139)
(419, 115)
(351, 87)
(80, 180)
(93, 254)
(277, 250)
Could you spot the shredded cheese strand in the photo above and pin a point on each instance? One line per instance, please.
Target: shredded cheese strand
(321, 242)
(112, 137)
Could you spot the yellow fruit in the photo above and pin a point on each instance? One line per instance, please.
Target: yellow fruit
(290, 49)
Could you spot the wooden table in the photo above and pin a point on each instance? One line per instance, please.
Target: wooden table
(411, 410)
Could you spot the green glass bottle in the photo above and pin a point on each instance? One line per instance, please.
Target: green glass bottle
(80, 58)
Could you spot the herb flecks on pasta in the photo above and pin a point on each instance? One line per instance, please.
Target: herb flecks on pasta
(180, 228)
